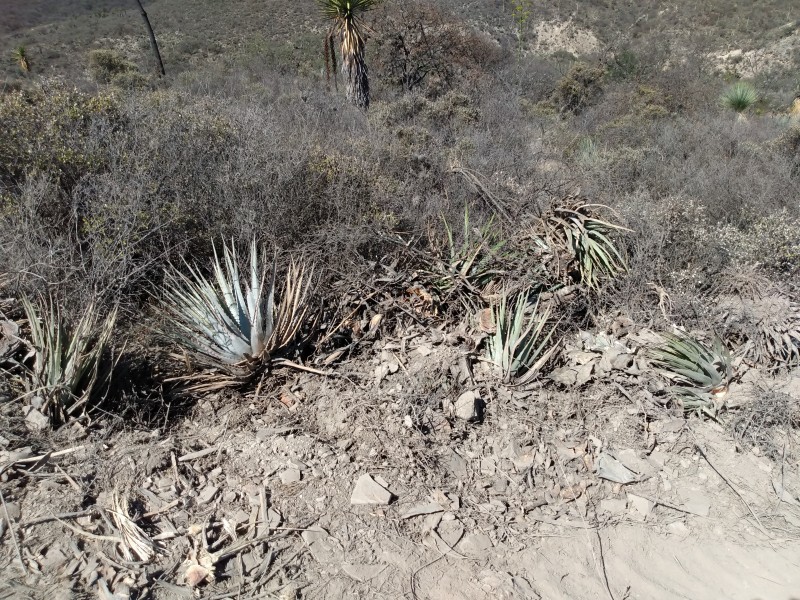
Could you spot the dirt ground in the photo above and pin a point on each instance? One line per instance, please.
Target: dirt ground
(410, 472)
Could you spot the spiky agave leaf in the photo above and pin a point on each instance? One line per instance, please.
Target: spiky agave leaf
(66, 361)
(519, 343)
(348, 28)
(229, 323)
(702, 374)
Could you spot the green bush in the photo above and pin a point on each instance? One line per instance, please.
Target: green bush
(105, 65)
(578, 88)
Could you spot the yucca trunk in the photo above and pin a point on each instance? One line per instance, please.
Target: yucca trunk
(354, 68)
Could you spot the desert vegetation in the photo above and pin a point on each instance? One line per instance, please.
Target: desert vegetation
(240, 223)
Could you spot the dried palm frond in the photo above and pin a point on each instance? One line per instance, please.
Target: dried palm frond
(702, 374)
(581, 243)
(519, 344)
(231, 324)
(347, 26)
(136, 544)
(66, 361)
(766, 328)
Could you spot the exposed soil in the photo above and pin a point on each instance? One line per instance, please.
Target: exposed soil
(253, 495)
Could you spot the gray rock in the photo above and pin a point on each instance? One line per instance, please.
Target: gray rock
(207, 494)
(369, 491)
(362, 572)
(643, 506)
(290, 476)
(422, 509)
(475, 543)
(36, 421)
(468, 406)
(610, 468)
(614, 506)
(458, 465)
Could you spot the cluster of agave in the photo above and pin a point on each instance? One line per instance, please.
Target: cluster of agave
(578, 248)
(230, 324)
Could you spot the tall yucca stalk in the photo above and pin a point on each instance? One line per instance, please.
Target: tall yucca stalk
(348, 28)
(66, 361)
(230, 324)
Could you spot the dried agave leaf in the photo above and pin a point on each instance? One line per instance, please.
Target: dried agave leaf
(766, 328)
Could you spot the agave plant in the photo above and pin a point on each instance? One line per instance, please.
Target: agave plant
(581, 243)
(66, 361)
(702, 374)
(472, 263)
(20, 56)
(739, 97)
(348, 28)
(231, 324)
(519, 344)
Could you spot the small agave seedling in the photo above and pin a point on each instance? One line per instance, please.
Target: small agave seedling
(520, 339)
(231, 325)
(66, 361)
(702, 374)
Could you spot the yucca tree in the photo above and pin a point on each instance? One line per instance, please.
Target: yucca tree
(230, 324)
(20, 56)
(347, 28)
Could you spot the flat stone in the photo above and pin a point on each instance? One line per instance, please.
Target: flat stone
(290, 476)
(643, 506)
(610, 468)
(369, 491)
(207, 494)
(475, 543)
(614, 506)
(678, 528)
(458, 465)
(422, 509)
(54, 559)
(13, 510)
(451, 531)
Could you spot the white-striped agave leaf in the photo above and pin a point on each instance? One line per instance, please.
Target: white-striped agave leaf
(229, 322)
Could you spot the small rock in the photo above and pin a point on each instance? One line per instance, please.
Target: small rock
(36, 421)
(195, 575)
(369, 491)
(614, 506)
(290, 476)
(641, 505)
(13, 510)
(468, 406)
(54, 558)
(207, 494)
(422, 509)
(610, 468)
(475, 543)
(678, 528)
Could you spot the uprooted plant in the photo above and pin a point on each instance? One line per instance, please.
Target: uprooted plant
(520, 344)
(580, 244)
(65, 373)
(230, 324)
(701, 374)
